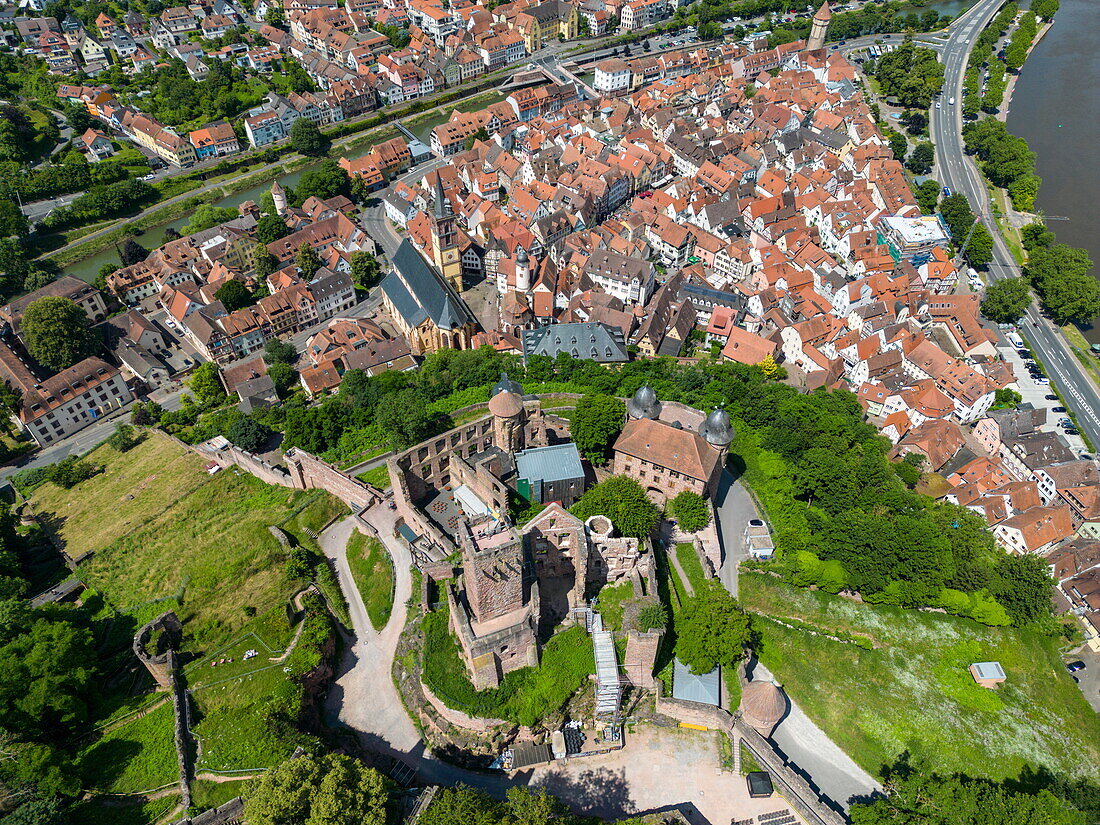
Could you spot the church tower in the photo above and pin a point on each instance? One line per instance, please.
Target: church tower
(816, 40)
(445, 253)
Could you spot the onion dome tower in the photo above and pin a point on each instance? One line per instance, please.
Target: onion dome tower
(718, 432)
(644, 404)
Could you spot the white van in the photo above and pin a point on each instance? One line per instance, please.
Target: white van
(1015, 340)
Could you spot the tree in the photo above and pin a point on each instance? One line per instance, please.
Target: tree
(248, 434)
(275, 16)
(899, 145)
(914, 797)
(57, 333)
(690, 511)
(1006, 300)
(712, 631)
(206, 385)
(307, 261)
(319, 790)
(306, 138)
(1023, 191)
(1060, 274)
(710, 30)
(12, 220)
(328, 180)
(622, 500)
(1046, 9)
(365, 268)
(263, 262)
(100, 279)
(910, 73)
(928, 194)
(206, 216)
(920, 162)
(277, 351)
(1037, 236)
(270, 228)
(597, 421)
(283, 376)
(132, 252)
(124, 438)
(481, 134)
(234, 295)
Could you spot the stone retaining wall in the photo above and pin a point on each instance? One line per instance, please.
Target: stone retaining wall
(230, 813)
(457, 717)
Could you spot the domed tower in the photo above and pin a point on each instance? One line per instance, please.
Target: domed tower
(819, 27)
(762, 706)
(718, 432)
(278, 197)
(523, 270)
(506, 405)
(644, 404)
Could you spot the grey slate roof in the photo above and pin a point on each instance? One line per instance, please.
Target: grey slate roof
(705, 689)
(560, 462)
(418, 292)
(589, 341)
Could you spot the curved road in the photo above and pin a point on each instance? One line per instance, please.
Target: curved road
(957, 171)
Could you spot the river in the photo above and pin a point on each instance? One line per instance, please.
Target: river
(1056, 109)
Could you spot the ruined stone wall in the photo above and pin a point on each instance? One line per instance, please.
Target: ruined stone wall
(487, 488)
(489, 657)
(231, 813)
(493, 580)
(233, 456)
(159, 665)
(181, 708)
(641, 657)
(307, 472)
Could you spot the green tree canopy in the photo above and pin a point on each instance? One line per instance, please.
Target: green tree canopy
(277, 351)
(206, 216)
(365, 268)
(1006, 300)
(306, 138)
(911, 73)
(690, 511)
(1060, 274)
(596, 423)
(326, 181)
(57, 332)
(206, 385)
(234, 295)
(319, 790)
(270, 228)
(622, 500)
(713, 630)
(307, 261)
(249, 434)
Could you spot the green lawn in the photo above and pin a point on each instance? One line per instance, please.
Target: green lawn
(372, 570)
(525, 696)
(139, 756)
(913, 692)
(378, 477)
(610, 603)
(689, 562)
(206, 794)
(186, 541)
(94, 812)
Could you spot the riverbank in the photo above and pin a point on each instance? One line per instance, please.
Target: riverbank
(1002, 113)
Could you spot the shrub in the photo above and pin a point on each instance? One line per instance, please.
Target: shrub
(690, 511)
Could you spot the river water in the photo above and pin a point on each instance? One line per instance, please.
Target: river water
(1056, 108)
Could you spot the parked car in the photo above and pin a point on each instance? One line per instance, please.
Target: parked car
(1024, 353)
(1071, 431)
(947, 189)
(1075, 666)
(1058, 409)
(1050, 397)
(1087, 457)
(1042, 380)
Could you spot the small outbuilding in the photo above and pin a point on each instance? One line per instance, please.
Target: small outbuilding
(760, 784)
(987, 674)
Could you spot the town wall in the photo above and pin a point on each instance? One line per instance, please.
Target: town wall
(307, 472)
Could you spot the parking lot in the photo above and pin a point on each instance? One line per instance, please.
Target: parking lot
(1038, 392)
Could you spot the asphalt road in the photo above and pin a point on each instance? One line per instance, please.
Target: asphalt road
(956, 171)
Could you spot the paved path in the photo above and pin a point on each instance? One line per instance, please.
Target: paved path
(733, 510)
(817, 757)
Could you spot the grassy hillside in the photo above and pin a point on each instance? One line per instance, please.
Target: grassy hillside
(157, 533)
(165, 535)
(913, 692)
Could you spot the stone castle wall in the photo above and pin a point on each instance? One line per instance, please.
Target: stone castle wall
(307, 472)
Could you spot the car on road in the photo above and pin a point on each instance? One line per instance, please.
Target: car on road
(951, 102)
(1075, 666)
(939, 105)
(1058, 409)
